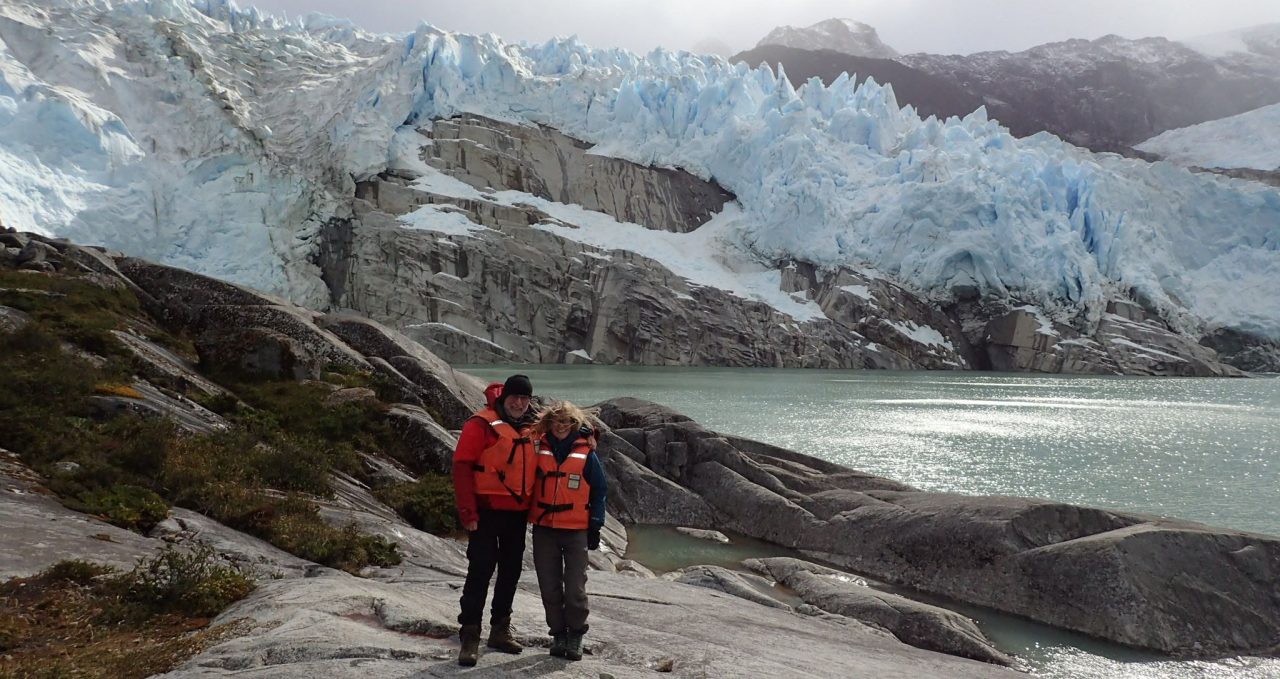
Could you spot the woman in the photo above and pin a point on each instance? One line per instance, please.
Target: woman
(567, 514)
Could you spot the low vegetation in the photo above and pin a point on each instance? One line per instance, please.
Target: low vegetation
(426, 504)
(80, 619)
(258, 477)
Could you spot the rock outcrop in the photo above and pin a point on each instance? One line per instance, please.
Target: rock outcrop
(915, 623)
(540, 161)
(1126, 341)
(1176, 587)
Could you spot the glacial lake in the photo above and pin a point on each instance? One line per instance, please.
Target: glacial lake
(1201, 449)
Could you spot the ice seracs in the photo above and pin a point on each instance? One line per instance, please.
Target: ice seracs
(222, 140)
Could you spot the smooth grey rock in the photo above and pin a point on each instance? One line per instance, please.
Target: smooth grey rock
(342, 397)
(1126, 340)
(207, 306)
(432, 444)
(379, 471)
(638, 495)
(39, 532)
(12, 320)
(1244, 351)
(701, 534)
(252, 555)
(183, 412)
(1176, 587)
(162, 367)
(454, 394)
(37, 253)
(1171, 586)
(741, 585)
(915, 623)
(339, 626)
(1147, 347)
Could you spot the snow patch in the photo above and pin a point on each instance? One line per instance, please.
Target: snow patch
(921, 334)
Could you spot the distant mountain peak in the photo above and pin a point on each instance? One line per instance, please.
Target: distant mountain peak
(841, 35)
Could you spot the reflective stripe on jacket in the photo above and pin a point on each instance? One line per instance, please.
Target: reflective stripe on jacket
(561, 494)
(506, 467)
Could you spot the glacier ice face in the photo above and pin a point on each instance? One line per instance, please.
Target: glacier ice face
(1247, 140)
(250, 130)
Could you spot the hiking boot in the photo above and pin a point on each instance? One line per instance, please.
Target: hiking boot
(559, 642)
(500, 636)
(470, 651)
(573, 646)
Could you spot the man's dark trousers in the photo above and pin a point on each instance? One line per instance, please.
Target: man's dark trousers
(497, 542)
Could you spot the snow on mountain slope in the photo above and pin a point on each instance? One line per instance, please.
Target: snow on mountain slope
(842, 35)
(220, 140)
(1258, 40)
(1249, 140)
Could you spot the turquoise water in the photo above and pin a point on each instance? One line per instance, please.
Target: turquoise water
(1201, 449)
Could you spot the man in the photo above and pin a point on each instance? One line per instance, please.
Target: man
(493, 469)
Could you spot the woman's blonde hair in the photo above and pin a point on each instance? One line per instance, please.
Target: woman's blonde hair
(561, 410)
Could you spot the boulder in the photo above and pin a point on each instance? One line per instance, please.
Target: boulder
(1175, 587)
(453, 394)
(144, 399)
(701, 534)
(258, 352)
(915, 623)
(12, 320)
(161, 366)
(742, 585)
(432, 444)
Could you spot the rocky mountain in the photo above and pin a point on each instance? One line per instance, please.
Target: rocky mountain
(333, 429)
(559, 203)
(1106, 94)
(1111, 93)
(839, 35)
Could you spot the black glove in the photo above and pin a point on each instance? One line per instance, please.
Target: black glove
(593, 537)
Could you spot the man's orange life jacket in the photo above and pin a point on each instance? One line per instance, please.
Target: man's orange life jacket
(561, 494)
(507, 466)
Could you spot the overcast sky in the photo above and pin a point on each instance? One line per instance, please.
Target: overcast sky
(939, 26)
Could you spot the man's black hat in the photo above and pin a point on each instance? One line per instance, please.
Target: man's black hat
(517, 385)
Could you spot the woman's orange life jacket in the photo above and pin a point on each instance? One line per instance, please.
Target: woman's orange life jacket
(561, 494)
(507, 466)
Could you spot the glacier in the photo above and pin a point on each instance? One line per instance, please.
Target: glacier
(1246, 140)
(219, 139)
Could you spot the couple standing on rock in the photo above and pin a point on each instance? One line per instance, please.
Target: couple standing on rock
(513, 467)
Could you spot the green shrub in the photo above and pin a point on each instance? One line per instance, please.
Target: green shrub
(74, 571)
(296, 526)
(426, 504)
(189, 582)
(131, 507)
